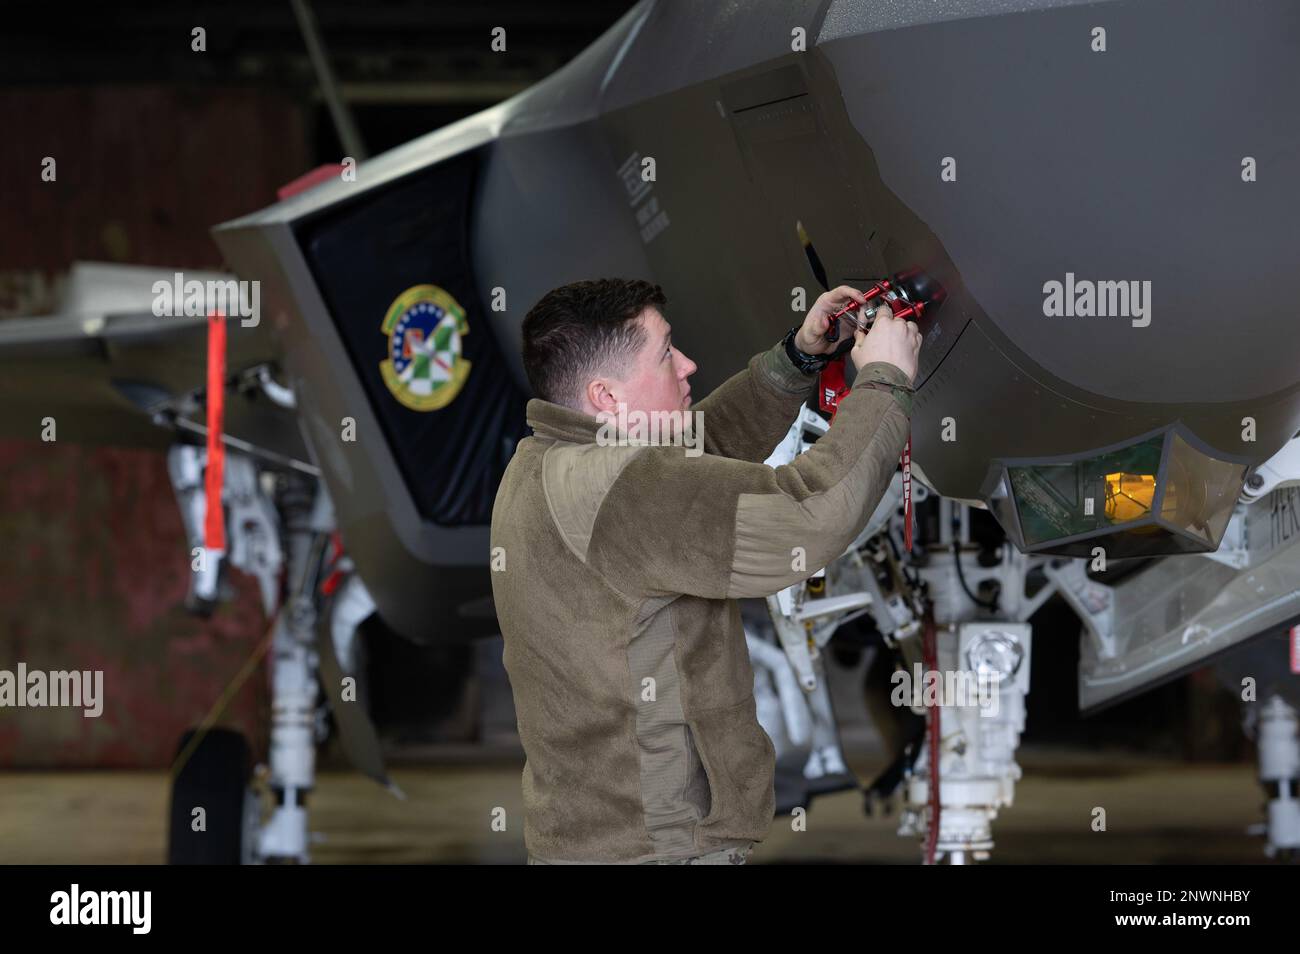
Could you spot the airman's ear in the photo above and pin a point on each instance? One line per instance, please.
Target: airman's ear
(601, 397)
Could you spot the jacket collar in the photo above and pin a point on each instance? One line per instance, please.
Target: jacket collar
(557, 422)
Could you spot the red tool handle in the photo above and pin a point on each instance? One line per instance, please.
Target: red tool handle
(898, 306)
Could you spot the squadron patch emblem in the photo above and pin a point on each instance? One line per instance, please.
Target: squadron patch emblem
(425, 368)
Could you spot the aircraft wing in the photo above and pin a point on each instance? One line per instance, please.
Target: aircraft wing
(109, 372)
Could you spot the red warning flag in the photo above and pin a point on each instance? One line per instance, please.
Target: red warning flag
(214, 526)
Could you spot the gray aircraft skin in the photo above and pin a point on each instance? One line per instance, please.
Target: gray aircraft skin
(991, 146)
(1116, 165)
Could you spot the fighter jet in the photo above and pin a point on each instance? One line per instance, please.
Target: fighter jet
(1090, 208)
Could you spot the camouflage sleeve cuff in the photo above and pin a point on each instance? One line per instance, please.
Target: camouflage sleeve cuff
(883, 376)
(774, 367)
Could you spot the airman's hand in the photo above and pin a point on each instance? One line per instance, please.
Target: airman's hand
(890, 339)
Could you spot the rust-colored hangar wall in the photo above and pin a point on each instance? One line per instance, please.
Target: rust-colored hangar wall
(93, 561)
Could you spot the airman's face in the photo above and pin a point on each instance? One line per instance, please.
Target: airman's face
(657, 378)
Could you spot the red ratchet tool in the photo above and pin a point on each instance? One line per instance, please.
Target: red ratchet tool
(881, 292)
(833, 383)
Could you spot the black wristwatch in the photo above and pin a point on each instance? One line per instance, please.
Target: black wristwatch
(809, 363)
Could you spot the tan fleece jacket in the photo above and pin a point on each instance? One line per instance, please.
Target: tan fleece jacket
(616, 587)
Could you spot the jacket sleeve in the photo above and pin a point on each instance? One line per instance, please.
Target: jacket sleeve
(747, 415)
(720, 528)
